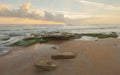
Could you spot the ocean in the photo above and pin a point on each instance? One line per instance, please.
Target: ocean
(38, 28)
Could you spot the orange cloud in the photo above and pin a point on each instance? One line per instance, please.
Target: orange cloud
(26, 6)
(25, 21)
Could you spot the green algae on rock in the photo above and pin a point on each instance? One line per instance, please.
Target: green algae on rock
(28, 42)
(102, 35)
(42, 38)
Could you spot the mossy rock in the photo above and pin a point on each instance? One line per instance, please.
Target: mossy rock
(102, 36)
(45, 65)
(28, 42)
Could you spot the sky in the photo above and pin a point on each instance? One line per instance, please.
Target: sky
(59, 11)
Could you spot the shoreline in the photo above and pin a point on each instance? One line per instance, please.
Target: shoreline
(99, 57)
(7, 41)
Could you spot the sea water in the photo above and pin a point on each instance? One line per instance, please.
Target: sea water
(38, 28)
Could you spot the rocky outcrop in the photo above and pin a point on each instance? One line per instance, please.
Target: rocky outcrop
(59, 36)
(64, 55)
(42, 38)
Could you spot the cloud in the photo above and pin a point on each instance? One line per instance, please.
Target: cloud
(2, 7)
(55, 17)
(25, 12)
(26, 6)
(100, 5)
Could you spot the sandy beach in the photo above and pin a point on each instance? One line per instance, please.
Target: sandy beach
(101, 57)
(60, 37)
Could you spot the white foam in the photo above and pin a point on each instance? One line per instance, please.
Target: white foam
(88, 38)
(4, 50)
(4, 44)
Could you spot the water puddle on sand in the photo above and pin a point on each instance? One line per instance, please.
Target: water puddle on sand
(36, 50)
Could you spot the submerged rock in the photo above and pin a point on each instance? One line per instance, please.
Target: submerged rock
(45, 65)
(64, 55)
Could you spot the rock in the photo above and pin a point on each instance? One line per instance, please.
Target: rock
(54, 47)
(4, 37)
(59, 36)
(45, 65)
(64, 55)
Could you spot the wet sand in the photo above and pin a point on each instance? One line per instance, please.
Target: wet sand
(100, 57)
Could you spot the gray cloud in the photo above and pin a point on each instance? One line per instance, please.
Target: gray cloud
(54, 17)
(25, 12)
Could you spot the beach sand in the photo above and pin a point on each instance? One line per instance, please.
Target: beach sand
(101, 57)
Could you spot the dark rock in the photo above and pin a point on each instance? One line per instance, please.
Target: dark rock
(64, 55)
(45, 65)
(59, 36)
(54, 48)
